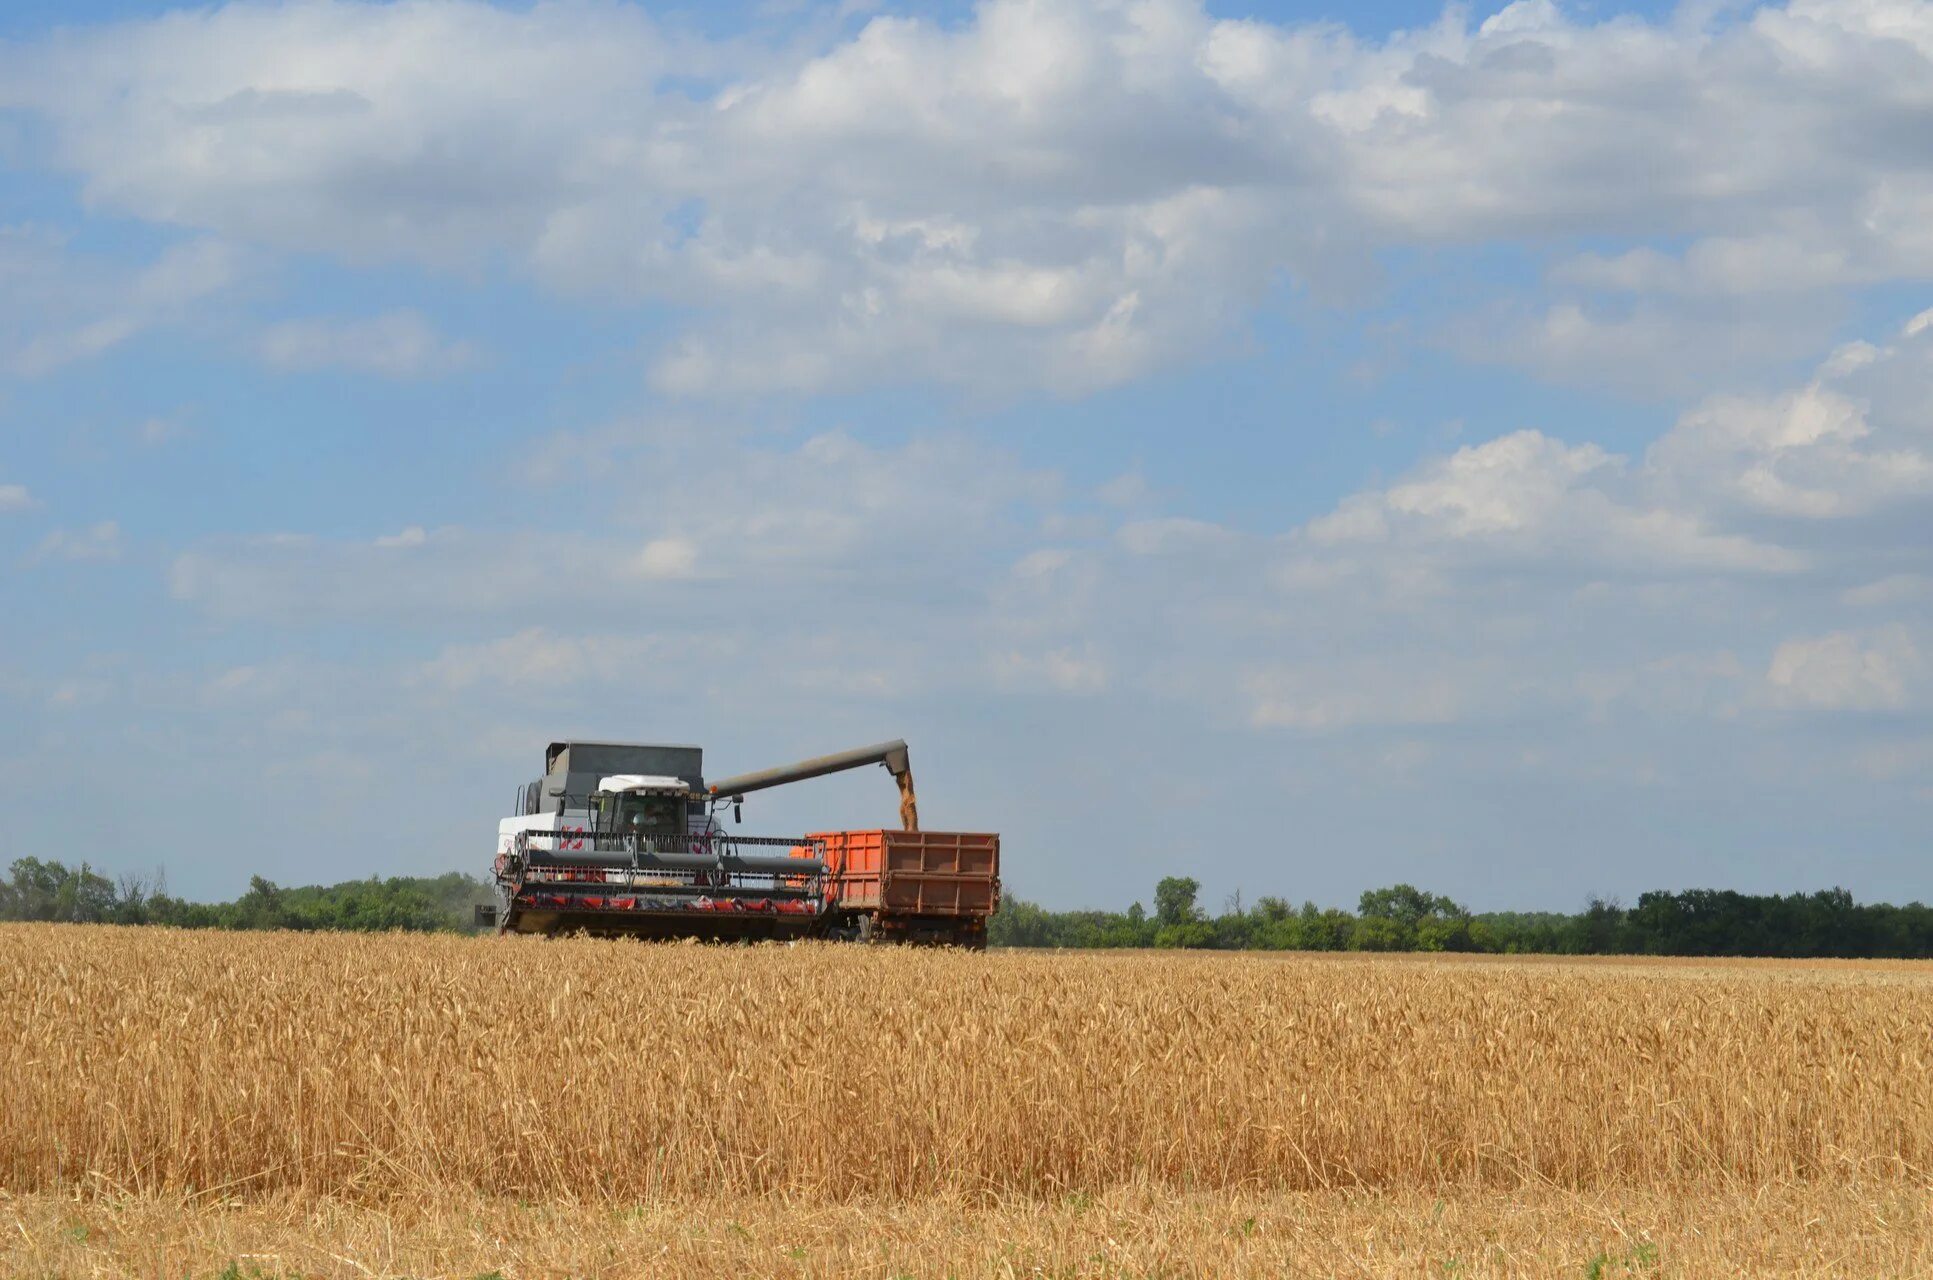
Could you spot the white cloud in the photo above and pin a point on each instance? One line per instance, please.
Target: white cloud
(1854, 441)
(409, 536)
(330, 125)
(1069, 193)
(1806, 453)
(292, 579)
(1823, 477)
(1720, 266)
(536, 656)
(1321, 698)
(235, 681)
(96, 542)
(1171, 535)
(1893, 589)
(155, 432)
(1526, 496)
(1847, 671)
(1069, 669)
(58, 308)
(87, 691)
(1893, 761)
(785, 519)
(401, 344)
(1506, 486)
(667, 558)
(1649, 347)
(1129, 489)
(14, 497)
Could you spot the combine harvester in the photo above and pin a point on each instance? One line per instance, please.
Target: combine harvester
(620, 840)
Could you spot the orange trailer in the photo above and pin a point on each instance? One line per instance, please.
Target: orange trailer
(937, 887)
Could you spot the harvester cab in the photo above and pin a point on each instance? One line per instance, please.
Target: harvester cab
(641, 807)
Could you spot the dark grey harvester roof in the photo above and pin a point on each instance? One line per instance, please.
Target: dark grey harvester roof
(577, 766)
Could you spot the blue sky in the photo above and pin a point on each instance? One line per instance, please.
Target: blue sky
(1301, 448)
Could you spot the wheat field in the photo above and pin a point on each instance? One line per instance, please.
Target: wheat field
(444, 1106)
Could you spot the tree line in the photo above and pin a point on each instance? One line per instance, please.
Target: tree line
(1694, 922)
(37, 890)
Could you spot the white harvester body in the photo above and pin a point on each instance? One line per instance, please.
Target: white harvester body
(573, 827)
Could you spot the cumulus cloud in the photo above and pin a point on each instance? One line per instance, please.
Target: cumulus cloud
(1894, 589)
(1845, 671)
(1068, 669)
(1312, 697)
(14, 497)
(1606, 577)
(409, 536)
(1068, 192)
(1822, 479)
(330, 126)
(159, 431)
(1527, 497)
(1170, 535)
(1814, 453)
(415, 575)
(668, 558)
(537, 656)
(792, 519)
(59, 307)
(96, 542)
(1650, 347)
(401, 344)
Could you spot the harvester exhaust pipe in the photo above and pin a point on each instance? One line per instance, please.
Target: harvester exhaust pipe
(891, 754)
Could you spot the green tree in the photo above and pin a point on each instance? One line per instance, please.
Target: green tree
(1273, 910)
(1381, 933)
(1324, 930)
(261, 906)
(1441, 933)
(1174, 901)
(36, 890)
(1406, 904)
(1189, 934)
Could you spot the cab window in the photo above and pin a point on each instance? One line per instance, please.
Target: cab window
(648, 815)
